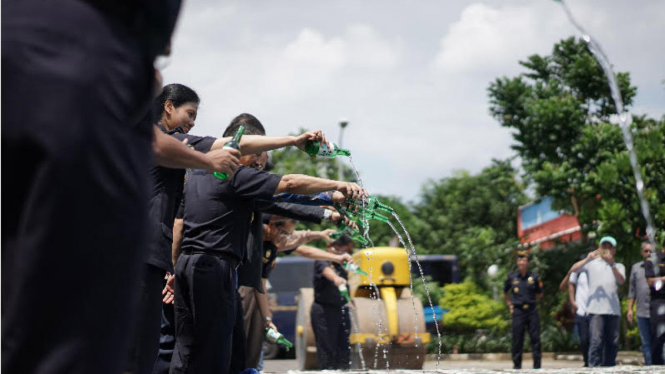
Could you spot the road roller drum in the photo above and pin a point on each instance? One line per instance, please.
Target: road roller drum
(389, 330)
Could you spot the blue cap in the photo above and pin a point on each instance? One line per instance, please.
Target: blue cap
(608, 239)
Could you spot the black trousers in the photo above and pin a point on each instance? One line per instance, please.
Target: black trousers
(144, 346)
(239, 350)
(205, 308)
(583, 329)
(332, 326)
(526, 319)
(75, 162)
(657, 320)
(166, 340)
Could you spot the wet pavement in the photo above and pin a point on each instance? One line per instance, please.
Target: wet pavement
(487, 367)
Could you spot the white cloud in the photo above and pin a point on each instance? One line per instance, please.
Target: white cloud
(366, 49)
(490, 39)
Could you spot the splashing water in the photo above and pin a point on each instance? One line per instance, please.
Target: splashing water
(358, 345)
(408, 255)
(605, 64)
(365, 221)
(422, 276)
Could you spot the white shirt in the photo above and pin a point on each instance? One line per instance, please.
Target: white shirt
(581, 282)
(603, 296)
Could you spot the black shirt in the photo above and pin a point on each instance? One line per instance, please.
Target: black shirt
(165, 200)
(651, 271)
(218, 213)
(523, 288)
(249, 274)
(325, 291)
(152, 21)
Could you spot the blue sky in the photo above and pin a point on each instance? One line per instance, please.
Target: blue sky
(410, 77)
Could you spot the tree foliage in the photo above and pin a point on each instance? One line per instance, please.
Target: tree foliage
(472, 216)
(560, 110)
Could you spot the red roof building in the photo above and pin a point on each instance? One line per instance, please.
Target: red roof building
(539, 224)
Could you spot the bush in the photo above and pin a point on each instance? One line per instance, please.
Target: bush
(470, 310)
(554, 338)
(630, 333)
(435, 290)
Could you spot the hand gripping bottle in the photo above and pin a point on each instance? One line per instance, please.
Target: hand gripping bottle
(317, 149)
(233, 144)
(372, 203)
(355, 269)
(275, 336)
(344, 292)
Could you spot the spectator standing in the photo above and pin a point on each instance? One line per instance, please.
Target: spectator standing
(578, 294)
(655, 275)
(639, 289)
(605, 275)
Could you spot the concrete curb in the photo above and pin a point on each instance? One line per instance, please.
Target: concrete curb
(623, 358)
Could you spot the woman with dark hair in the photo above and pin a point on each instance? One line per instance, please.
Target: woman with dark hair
(175, 111)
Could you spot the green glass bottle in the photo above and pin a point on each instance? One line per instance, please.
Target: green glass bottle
(313, 148)
(360, 214)
(344, 292)
(233, 144)
(372, 203)
(355, 269)
(350, 232)
(275, 336)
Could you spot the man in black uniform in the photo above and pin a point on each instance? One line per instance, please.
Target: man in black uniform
(525, 287)
(330, 312)
(216, 220)
(655, 275)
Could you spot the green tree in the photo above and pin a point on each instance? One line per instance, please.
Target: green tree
(560, 110)
(472, 216)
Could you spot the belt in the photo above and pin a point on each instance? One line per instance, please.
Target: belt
(231, 259)
(524, 306)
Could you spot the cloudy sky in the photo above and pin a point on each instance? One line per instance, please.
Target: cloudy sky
(410, 76)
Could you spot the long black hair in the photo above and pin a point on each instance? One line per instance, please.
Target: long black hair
(179, 94)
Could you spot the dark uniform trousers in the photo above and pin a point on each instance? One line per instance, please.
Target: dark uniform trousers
(205, 309)
(332, 326)
(75, 84)
(166, 340)
(657, 320)
(239, 340)
(525, 316)
(143, 349)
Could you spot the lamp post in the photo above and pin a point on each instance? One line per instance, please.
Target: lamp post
(343, 122)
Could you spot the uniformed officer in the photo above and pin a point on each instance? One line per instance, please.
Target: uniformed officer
(217, 216)
(330, 312)
(525, 288)
(655, 274)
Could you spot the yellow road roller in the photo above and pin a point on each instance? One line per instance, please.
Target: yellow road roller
(388, 329)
